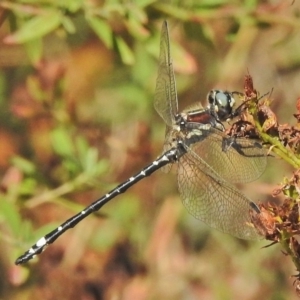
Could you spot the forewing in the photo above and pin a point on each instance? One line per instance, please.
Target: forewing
(165, 101)
(244, 161)
(212, 200)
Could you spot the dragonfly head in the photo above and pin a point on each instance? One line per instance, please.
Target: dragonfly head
(221, 104)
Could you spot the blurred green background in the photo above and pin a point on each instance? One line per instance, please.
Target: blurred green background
(77, 82)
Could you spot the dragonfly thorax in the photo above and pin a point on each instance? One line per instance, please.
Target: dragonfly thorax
(198, 119)
(221, 104)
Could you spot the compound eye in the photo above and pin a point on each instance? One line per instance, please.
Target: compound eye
(222, 99)
(224, 102)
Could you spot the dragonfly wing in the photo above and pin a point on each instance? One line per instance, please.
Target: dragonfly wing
(165, 100)
(244, 161)
(213, 200)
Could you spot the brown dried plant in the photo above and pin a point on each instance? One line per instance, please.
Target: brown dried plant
(276, 223)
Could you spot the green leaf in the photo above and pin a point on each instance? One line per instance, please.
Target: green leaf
(68, 24)
(36, 27)
(10, 216)
(28, 186)
(34, 50)
(62, 142)
(81, 147)
(125, 52)
(175, 12)
(72, 5)
(102, 29)
(144, 3)
(91, 160)
(137, 29)
(23, 164)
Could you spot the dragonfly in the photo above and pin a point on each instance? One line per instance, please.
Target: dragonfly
(209, 162)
